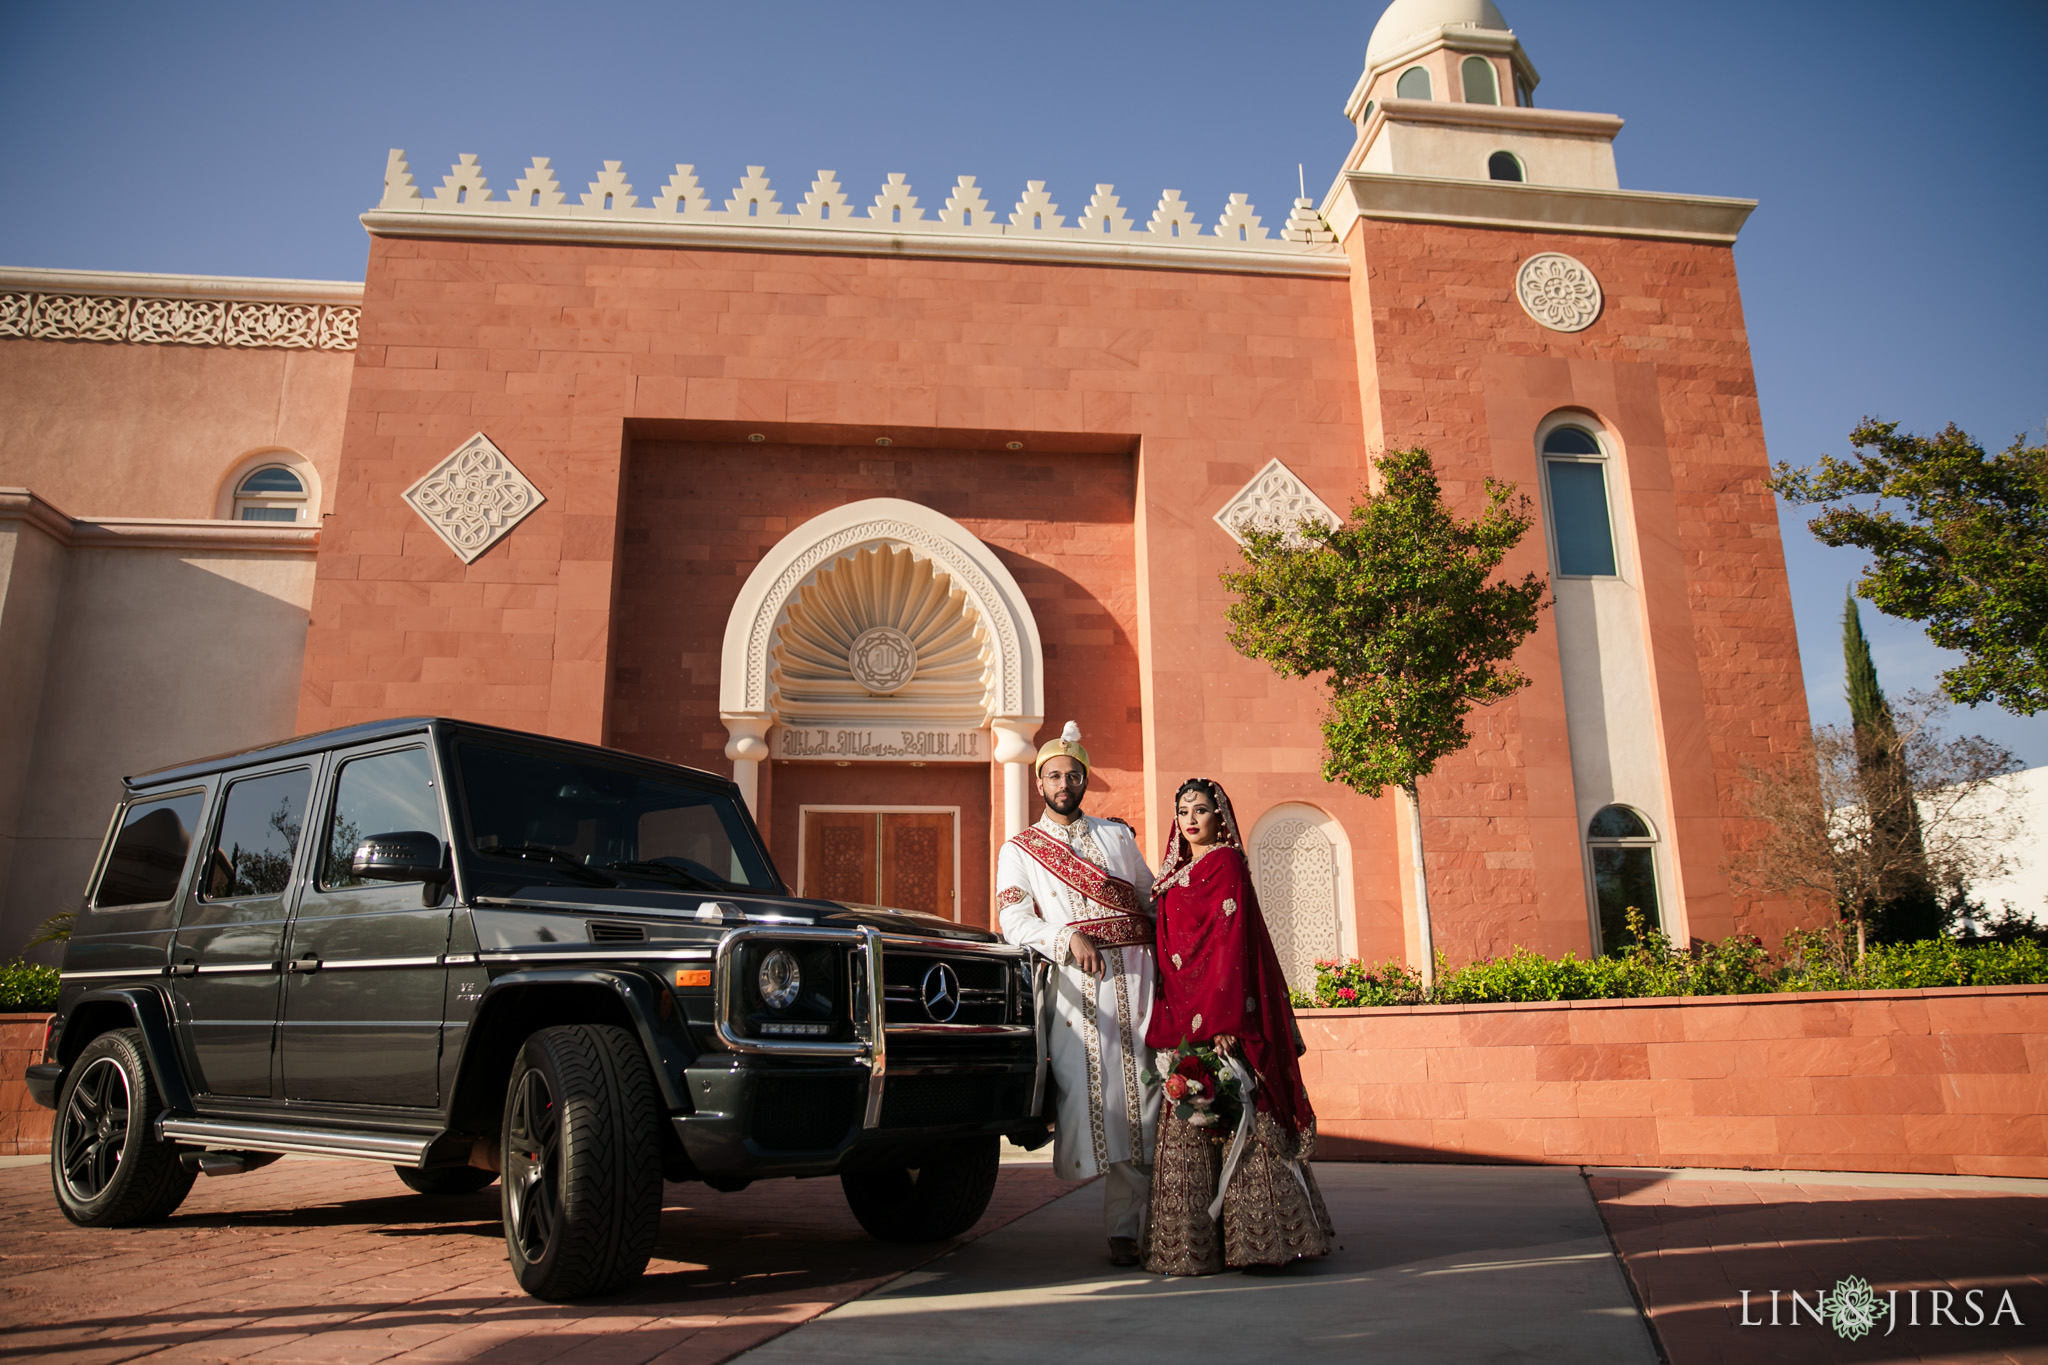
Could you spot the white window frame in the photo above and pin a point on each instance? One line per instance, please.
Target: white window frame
(1588, 842)
(1617, 525)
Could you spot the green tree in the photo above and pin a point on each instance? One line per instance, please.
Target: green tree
(1396, 609)
(1966, 551)
(1901, 905)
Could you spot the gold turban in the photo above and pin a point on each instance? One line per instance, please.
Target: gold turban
(1068, 745)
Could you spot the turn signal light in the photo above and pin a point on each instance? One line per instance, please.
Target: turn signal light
(693, 976)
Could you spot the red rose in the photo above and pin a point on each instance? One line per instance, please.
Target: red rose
(1191, 1067)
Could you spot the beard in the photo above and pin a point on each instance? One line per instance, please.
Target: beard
(1065, 801)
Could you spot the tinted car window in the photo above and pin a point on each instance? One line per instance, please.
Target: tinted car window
(584, 818)
(149, 852)
(259, 836)
(382, 794)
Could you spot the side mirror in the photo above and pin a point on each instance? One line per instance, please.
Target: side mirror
(410, 855)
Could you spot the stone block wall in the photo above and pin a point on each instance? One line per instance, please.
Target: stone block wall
(24, 1124)
(1951, 1082)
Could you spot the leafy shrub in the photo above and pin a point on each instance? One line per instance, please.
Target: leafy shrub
(26, 987)
(1653, 966)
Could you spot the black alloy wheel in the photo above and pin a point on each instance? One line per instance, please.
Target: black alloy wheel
(940, 1199)
(107, 1166)
(582, 1161)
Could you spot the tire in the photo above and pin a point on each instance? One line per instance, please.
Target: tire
(445, 1179)
(941, 1199)
(581, 1152)
(107, 1166)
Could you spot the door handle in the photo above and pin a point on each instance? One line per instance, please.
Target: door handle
(308, 965)
(184, 969)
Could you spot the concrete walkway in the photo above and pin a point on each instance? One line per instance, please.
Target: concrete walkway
(1438, 1263)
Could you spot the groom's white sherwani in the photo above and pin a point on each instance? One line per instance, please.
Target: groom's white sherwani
(1053, 881)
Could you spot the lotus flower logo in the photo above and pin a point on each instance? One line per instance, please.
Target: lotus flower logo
(1853, 1308)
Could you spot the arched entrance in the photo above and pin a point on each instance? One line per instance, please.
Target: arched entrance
(881, 636)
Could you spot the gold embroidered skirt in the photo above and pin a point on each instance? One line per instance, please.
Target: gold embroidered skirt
(1269, 1216)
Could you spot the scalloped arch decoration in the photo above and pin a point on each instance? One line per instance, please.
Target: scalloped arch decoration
(1017, 665)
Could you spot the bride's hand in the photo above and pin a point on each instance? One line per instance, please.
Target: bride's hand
(1225, 1044)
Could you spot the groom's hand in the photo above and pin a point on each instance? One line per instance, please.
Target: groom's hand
(1086, 955)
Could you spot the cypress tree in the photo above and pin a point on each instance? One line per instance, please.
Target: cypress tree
(1906, 907)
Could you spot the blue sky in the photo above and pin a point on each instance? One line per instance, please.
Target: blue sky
(1895, 267)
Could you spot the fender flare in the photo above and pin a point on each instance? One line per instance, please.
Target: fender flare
(667, 1048)
(159, 1045)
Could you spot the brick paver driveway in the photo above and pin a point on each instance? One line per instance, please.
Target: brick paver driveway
(335, 1261)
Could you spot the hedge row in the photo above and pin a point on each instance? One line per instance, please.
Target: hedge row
(26, 988)
(1653, 967)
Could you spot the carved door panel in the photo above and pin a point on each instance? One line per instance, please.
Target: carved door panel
(840, 856)
(917, 863)
(895, 858)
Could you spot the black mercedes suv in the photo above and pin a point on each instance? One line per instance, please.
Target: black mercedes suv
(499, 955)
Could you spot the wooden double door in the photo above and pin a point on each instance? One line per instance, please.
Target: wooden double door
(906, 858)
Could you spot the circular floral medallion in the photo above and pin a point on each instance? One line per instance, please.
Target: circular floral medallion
(1558, 292)
(882, 659)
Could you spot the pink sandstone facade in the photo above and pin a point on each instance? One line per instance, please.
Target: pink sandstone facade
(1056, 424)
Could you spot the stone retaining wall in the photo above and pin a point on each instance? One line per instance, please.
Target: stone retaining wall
(24, 1124)
(1932, 1081)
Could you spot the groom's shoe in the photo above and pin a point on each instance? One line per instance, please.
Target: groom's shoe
(1123, 1251)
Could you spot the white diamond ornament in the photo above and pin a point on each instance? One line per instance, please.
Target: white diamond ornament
(1558, 292)
(474, 498)
(1276, 500)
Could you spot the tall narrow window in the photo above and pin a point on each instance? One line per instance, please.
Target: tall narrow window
(1413, 85)
(1576, 471)
(1624, 857)
(1504, 166)
(272, 493)
(1481, 87)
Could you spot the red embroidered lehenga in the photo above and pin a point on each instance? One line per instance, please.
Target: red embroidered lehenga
(1218, 974)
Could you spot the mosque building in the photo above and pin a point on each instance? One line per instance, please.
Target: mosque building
(859, 496)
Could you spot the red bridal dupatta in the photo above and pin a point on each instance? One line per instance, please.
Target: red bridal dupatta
(1218, 973)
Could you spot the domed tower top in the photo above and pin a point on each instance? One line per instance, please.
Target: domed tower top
(1447, 94)
(1452, 50)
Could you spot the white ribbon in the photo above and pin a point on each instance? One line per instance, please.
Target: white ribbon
(1246, 1084)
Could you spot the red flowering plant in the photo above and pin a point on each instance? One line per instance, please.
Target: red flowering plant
(1200, 1085)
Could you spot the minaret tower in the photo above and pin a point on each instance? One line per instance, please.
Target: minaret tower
(1448, 92)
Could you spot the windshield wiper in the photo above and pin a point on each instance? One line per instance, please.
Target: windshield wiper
(554, 857)
(668, 872)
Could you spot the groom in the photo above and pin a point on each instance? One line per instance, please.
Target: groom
(1076, 890)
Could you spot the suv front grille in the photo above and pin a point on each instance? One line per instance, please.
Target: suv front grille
(984, 986)
(806, 1113)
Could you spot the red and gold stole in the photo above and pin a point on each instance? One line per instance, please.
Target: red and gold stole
(1114, 918)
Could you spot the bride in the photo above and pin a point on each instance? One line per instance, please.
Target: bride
(1220, 983)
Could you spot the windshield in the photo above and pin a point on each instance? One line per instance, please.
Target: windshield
(593, 823)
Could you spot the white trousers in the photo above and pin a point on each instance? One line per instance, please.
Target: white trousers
(1126, 1190)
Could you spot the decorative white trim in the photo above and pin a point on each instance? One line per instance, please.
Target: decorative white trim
(1558, 291)
(1275, 500)
(1537, 208)
(1296, 825)
(19, 506)
(473, 498)
(753, 218)
(1017, 682)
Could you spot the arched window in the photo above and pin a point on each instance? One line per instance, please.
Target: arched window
(1575, 472)
(1413, 85)
(1623, 852)
(1294, 868)
(271, 493)
(1504, 166)
(1481, 86)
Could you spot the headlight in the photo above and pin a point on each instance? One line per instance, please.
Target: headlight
(780, 980)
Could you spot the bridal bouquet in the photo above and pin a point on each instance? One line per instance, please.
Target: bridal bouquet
(1200, 1086)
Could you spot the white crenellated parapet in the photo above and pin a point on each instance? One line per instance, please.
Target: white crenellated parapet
(828, 218)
